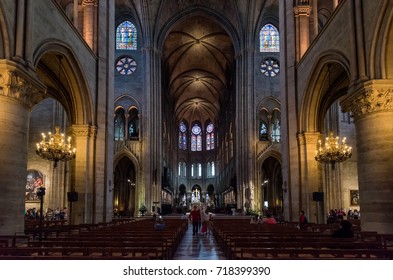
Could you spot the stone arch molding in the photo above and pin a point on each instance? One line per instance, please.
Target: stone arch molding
(126, 153)
(269, 153)
(127, 102)
(313, 94)
(81, 109)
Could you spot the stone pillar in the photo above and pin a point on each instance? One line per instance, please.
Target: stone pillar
(18, 93)
(372, 107)
(302, 22)
(82, 210)
(88, 22)
(309, 177)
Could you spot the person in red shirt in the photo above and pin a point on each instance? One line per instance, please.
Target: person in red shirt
(195, 218)
(303, 222)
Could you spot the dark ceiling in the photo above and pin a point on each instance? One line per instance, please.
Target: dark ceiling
(198, 59)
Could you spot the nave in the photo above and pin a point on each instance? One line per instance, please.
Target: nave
(200, 247)
(231, 238)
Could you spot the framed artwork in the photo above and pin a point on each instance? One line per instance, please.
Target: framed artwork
(354, 196)
(34, 180)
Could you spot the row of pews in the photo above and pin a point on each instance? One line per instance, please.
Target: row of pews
(238, 239)
(122, 239)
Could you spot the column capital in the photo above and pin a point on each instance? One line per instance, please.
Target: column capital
(90, 3)
(18, 84)
(81, 130)
(302, 10)
(370, 97)
(306, 138)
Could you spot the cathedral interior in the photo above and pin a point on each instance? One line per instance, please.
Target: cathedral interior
(181, 102)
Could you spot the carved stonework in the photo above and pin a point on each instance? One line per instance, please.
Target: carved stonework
(370, 101)
(80, 130)
(17, 87)
(302, 11)
(93, 132)
(90, 2)
(308, 138)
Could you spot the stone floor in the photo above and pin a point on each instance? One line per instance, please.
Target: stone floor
(199, 247)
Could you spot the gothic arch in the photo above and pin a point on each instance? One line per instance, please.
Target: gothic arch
(127, 102)
(126, 153)
(77, 95)
(331, 74)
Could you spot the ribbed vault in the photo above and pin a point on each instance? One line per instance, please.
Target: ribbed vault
(198, 56)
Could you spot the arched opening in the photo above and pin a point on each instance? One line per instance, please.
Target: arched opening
(272, 188)
(124, 196)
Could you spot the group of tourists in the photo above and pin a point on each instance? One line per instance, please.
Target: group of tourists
(201, 221)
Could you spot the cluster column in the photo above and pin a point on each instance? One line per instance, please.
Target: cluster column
(18, 93)
(372, 107)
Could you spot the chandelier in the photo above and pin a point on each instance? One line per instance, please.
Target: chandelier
(332, 151)
(55, 148)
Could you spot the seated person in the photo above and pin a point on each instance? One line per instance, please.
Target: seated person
(270, 220)
(345, 230)
(159, 224)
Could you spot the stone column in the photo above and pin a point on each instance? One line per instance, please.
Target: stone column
(81, 181)
(88, 22)
(372, 107)
(18, 93)
(309, 176)
(302, 22)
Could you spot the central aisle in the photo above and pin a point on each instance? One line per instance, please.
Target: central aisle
(200, 247)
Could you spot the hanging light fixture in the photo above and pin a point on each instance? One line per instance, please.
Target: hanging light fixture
(55, 148)
(332, 151)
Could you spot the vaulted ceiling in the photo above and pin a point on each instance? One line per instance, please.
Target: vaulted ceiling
(198, 59)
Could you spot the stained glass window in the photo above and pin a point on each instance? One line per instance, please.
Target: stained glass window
(269, 39)
(126, 36)
(126, 65)
(270, 67)
(196, 138)
(263, 132)
(119, 124)
(133, 124)
(182, 136)
(210, 137)
(276, 131)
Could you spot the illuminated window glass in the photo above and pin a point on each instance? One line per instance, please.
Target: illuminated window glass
(119, 124)
(126, 36)
(210, 137)
(196, 138)
(126, 65)
(182, 136)
(270, 67)
(269, 39)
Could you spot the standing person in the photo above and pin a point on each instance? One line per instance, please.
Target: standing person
(195, 218)
(303, 222)
(206, 227)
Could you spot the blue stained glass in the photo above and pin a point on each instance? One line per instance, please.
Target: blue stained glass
(269, 39)
(193, 143)
(199, 143)
(126, 36)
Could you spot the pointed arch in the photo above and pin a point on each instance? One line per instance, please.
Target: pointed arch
(331, 74)
(77, 99)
